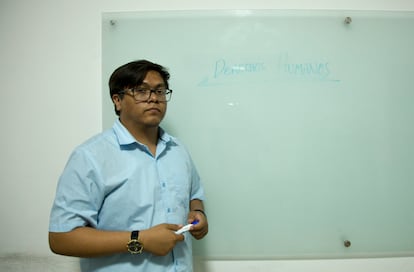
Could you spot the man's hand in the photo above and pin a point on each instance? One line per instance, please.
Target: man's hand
(160, 239)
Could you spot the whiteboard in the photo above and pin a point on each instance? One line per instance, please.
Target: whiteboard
(300, 123)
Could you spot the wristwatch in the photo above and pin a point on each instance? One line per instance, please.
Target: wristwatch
(134, 245)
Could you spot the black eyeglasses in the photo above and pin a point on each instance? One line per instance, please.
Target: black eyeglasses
(141, 94)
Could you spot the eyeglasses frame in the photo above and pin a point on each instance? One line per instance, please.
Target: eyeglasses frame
(168, 94)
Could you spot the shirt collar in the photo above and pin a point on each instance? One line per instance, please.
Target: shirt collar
(125, 138)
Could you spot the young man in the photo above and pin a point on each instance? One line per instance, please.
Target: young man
(124, 192)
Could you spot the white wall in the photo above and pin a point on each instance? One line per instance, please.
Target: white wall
(50, 52)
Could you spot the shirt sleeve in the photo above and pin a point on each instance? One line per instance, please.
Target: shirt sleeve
(197, 191)
(79, 194)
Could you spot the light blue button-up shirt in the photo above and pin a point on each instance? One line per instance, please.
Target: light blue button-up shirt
(112, 182)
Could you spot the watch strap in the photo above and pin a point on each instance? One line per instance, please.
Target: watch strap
(134, 235)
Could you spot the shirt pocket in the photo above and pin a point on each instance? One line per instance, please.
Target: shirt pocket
(180, 186)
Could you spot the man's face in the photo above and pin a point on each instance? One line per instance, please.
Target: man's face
(142, 114)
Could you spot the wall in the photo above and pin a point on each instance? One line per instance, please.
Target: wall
(50, 55)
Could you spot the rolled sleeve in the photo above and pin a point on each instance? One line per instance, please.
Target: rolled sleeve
(78, 196)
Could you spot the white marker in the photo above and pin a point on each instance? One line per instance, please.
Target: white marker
(186, 227)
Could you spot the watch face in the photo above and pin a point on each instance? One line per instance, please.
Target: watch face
(134, 247)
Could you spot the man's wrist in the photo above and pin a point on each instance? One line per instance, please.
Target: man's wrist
(200, 211)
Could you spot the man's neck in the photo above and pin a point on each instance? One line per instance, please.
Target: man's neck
(147, 135)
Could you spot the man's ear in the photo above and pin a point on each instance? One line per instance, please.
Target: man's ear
(117, 102)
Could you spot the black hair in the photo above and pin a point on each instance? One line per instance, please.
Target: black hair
(133, 74)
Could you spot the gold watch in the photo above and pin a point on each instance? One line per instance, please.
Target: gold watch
(134, 245)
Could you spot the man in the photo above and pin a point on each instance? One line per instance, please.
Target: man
(125, 192)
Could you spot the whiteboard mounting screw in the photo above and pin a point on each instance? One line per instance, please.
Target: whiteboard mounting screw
(348, 20)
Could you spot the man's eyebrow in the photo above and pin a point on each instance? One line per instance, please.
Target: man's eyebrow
(156, 86)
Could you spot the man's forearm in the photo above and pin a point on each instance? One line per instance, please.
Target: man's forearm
(196, 204)
(88, 242)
